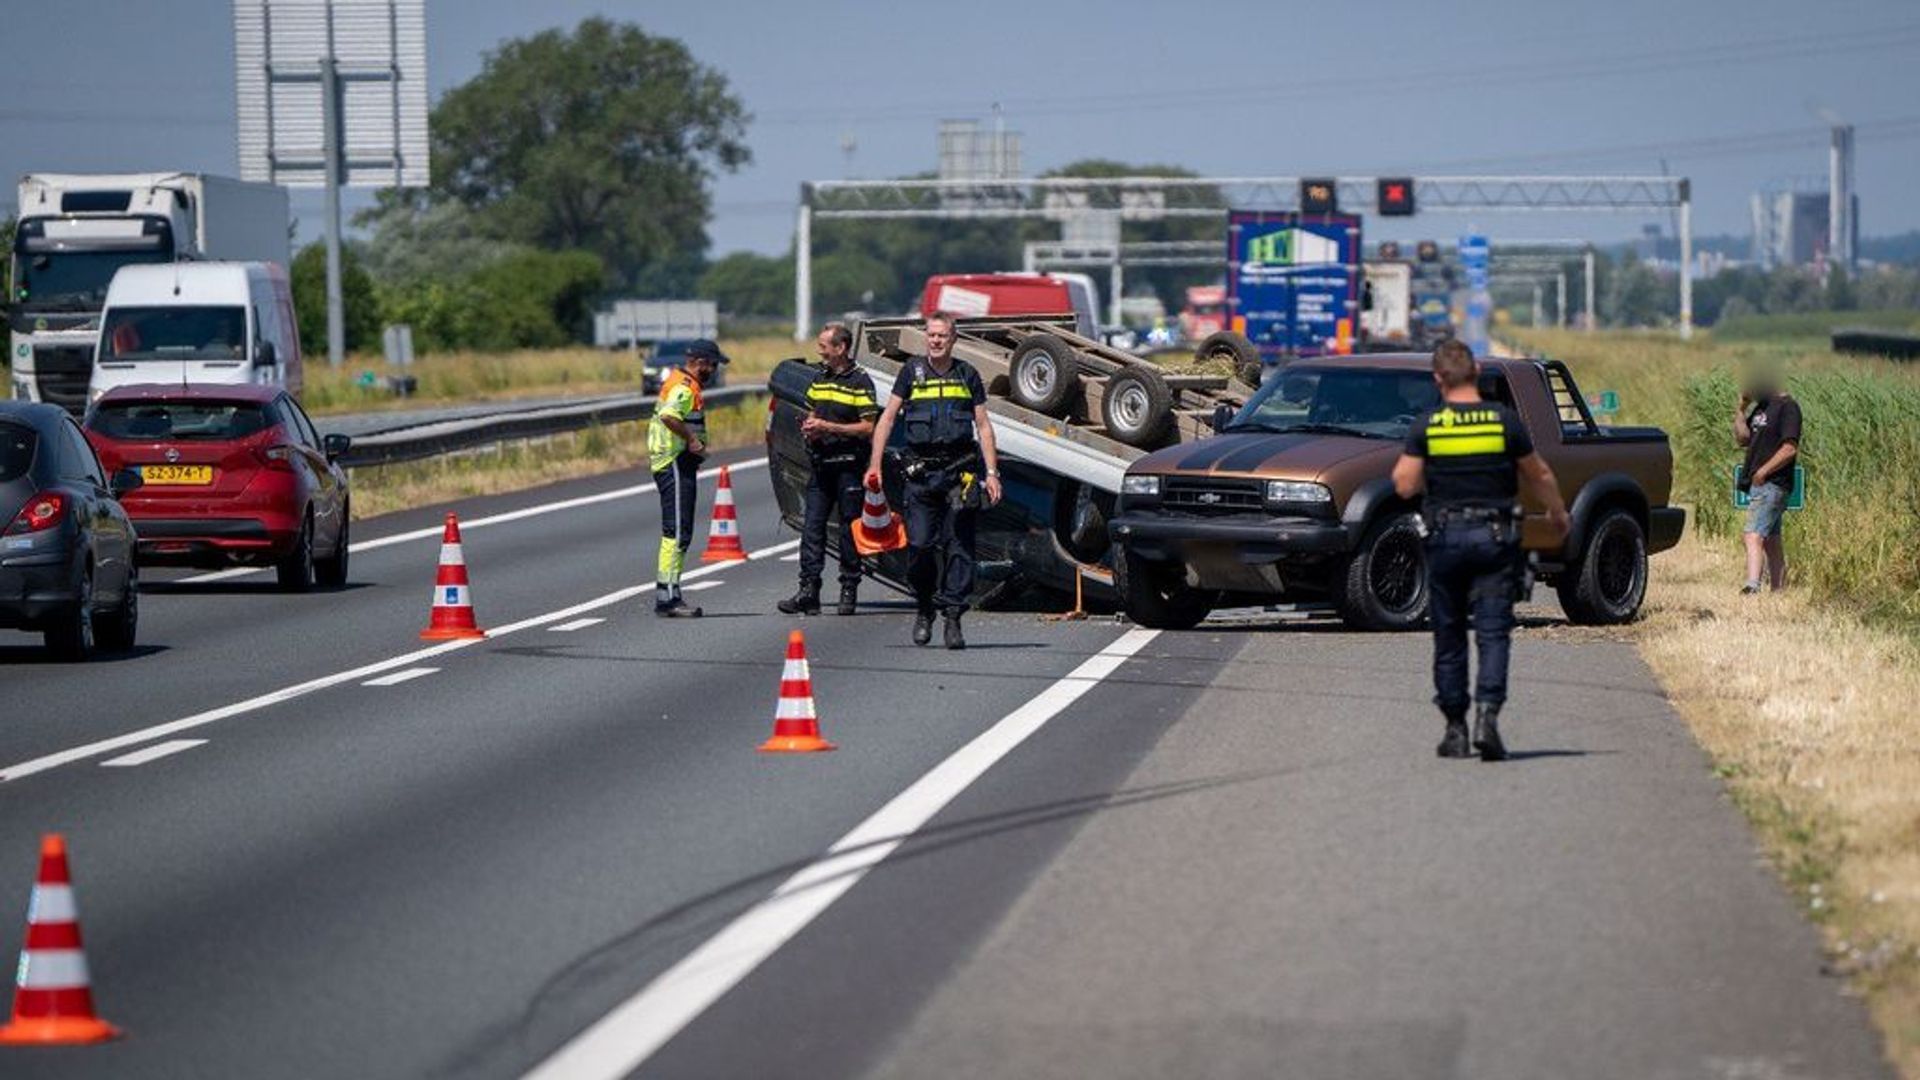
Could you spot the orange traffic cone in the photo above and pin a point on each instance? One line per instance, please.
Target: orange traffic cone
(452, 616)
(879, 528)
(52, 997)
(723, 535)
(796, 730)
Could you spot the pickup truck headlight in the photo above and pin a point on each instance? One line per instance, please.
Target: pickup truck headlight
(1297, 491)
(1139, 485)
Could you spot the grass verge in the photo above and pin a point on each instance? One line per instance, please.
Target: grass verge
(516, 466)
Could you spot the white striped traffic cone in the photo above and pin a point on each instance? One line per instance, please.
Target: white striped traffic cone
(796, 728)
(452, 615)
(723, 535)
(53, 997)
(879, 528)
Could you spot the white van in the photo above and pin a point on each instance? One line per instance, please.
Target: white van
(198, 322)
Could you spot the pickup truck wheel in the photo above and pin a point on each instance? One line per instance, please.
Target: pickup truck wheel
(1385, 582)
(1236, 352)
(1137, 408)
(1156, 596)
(1045, 373)
(1609, 584)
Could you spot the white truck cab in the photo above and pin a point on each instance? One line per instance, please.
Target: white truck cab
(198, 322)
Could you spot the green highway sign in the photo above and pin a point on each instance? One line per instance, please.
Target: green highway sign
(1796, 499)
(1604, 403)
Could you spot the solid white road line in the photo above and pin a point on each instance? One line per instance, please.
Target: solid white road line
(625, 1038)
(239, 708)
(795, 557)
(577, 624)
(154, 752)
(476, 523)
(699, 585)
(399, 677)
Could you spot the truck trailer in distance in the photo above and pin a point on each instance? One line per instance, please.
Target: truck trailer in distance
(76, 230)
(628, 324)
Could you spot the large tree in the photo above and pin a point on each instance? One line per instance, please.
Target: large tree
(603, 139)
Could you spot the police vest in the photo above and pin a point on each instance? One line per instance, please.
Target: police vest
(938, 412)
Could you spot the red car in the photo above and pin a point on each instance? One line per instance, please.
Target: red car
(232, 475)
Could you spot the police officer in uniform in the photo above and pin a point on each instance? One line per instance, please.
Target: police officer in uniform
(1469, 455)
(952, 470)
(676, 444)
(839, 434)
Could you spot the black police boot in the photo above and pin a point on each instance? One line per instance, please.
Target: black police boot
(951, 631)
(1486, 733)
(804, 602)
(922, 627)
(676, 608)
(849, 598)
(1454, 743)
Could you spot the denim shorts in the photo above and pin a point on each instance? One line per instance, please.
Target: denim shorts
(1766, 504)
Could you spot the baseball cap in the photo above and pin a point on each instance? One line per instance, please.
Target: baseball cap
(706, 348)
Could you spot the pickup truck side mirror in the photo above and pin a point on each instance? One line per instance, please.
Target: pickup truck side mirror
(124, 481)
(263, 356)
(1222, 416)
(336, 446)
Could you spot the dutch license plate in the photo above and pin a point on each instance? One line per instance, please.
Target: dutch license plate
(177, 474)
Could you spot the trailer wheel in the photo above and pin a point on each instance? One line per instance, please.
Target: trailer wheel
(1044, 374)
(1137, 408)
(1235, 351)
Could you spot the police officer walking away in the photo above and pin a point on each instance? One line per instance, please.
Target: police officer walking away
(839, 433)
(952, 470)
(1469, 456)
(676, 444)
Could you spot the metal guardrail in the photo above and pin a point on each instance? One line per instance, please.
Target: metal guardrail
(420, 441)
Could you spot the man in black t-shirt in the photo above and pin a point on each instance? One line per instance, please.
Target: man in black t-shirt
(1767, 423)
(1469, 456)
(952, 470)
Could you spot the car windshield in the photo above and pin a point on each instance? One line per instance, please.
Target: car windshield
(173, 421)
(50, 280)
(174, 333)
(16, 451)
(669, 353)
(1369, 402)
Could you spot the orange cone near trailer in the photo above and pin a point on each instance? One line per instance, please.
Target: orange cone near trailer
(53, 996)
(879, 528)
(723, 534)
(796, 726)
(452, 617)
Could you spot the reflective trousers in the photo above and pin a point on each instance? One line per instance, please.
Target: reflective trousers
(1472, 571)
(679, 486)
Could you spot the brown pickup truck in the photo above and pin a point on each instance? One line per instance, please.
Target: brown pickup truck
(1292, 499)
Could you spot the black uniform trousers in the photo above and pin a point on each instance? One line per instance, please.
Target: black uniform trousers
(940, 542)
(831, 486)
(1471, 577)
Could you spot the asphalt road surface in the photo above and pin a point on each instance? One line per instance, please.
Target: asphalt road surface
(1077, 849)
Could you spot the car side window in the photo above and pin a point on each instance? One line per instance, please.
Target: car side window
(79, 463)
(307, 430)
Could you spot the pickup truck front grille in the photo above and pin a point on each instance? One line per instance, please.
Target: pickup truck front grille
(63, 372)
(1210, 495)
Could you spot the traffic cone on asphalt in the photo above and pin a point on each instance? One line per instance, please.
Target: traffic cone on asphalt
(723, 534)
(879, 528)
(52, 998)
(796, 729)
(452, 617)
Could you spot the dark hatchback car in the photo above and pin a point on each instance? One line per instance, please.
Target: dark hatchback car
(663, 357)
(234, 476)
(67, 548)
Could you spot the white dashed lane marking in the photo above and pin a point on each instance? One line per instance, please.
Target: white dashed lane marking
(152, 753)
(398, 677)
(577, 624)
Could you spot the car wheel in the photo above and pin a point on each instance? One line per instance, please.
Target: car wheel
(1137, 407)
(70, 637)
(1384, 586)
(332, 572)
(295, 568)
(1157, 596)
(1610, 582)
(1044, 375)
(118, 630)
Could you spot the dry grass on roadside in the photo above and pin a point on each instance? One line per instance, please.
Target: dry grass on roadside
(468, 377)
(1807, 712)
(516, 466)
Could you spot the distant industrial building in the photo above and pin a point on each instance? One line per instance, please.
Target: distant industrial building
(1792, 228)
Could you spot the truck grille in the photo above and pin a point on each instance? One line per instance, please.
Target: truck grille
(1209, 495)
(63, 372)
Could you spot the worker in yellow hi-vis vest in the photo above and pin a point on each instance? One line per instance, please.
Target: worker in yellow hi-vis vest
(676, 444)
(1469, 456)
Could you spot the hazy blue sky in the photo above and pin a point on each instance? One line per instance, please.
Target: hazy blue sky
(1726, 92)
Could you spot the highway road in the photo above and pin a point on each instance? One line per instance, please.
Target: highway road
(307, 844)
